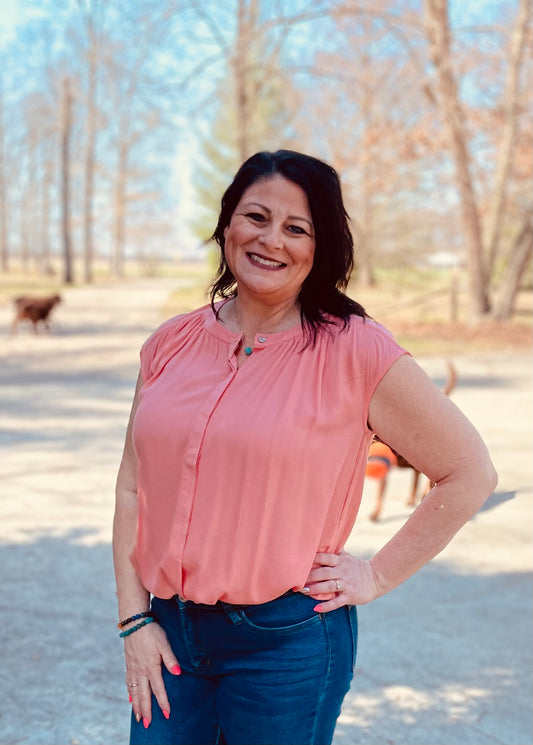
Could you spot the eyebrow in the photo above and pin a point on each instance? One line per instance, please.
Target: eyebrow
(289, 217)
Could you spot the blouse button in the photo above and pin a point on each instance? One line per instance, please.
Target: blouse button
(261, 339)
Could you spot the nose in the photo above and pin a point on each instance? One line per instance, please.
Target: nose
(272, 236)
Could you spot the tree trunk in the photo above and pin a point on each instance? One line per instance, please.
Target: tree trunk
(119, 229)
(247, 22)
(92, 12)
(365, 244)
(507, 133)
(365, 274)
(516, 267)
(66, 127)
(27, 204)
(46, 185)
(438, 32)
(4, 232)
(241, 93)
(89, 165)
(31, 201)
(24, 238)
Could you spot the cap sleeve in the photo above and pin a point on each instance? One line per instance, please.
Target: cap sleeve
(382, 350)
(167, 340)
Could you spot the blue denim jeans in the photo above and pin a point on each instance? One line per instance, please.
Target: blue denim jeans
(269, 674)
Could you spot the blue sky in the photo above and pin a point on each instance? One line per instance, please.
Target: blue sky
(9, 14)
(463, 13)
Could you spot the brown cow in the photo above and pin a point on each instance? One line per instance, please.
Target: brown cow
(34, 309)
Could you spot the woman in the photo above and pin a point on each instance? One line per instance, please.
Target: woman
(243, 470)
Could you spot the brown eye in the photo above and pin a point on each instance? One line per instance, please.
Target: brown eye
(297, 230)
(255, 216)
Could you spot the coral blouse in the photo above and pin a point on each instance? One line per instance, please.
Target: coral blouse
(244, 474)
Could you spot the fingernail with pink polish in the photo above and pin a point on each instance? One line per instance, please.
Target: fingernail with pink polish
(176, 670)
(130, 697)
(166, 713)
(318, 608)
(146, 723)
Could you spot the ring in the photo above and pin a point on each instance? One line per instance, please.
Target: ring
(132, 685)
(138, 717)
(338, 585)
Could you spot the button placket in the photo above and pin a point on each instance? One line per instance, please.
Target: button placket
(191, 460)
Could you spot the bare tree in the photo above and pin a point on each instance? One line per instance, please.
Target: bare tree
(376, 134)
(438, 30)
(92, 14)
(507, 133)
(344, 79)
(246, 21)
(136, 116)
(48, 164)
(4, 227)
(256, 99)
(66, 134)
(521, 254)
(482, 245)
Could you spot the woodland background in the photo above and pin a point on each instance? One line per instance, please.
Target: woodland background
(122, 122)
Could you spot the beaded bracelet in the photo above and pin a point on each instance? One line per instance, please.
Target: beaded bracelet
(137, 627)
(144, 614)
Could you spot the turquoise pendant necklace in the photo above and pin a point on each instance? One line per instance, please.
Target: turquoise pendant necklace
(247, 350)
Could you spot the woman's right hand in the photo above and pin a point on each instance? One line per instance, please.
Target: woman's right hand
(145, 651)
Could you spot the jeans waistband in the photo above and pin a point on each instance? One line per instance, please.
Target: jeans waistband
(236, 606)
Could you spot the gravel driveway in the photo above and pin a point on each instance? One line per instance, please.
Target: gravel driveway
(446, 659)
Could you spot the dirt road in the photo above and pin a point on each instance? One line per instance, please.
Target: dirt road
(444, 660)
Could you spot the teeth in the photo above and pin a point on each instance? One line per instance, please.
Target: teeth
(266, 262)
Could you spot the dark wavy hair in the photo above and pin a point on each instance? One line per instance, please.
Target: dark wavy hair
(322, 292)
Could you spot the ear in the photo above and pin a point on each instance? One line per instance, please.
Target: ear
(226, 231)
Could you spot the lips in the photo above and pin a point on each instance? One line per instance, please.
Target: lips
(264, 262)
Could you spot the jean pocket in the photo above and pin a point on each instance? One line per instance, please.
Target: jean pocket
(285, 615)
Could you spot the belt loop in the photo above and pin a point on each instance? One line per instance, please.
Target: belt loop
(235, 616)
(181, 602)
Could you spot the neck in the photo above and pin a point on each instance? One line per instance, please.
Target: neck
(250, 319)
(264, 318)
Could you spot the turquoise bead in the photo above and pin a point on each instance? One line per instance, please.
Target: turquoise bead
(248, 351)
(146, 621)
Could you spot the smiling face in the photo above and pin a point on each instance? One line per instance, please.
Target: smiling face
(270, 241)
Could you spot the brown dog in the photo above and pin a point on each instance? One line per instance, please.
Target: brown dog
(34, 309)
(385, 463)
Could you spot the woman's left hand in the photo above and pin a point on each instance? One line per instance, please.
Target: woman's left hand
(341, 577)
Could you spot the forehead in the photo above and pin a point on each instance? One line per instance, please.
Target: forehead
(277, 192)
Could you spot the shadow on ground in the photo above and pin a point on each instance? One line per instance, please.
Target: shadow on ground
(456, 652)
(63, 679)
(63, 674)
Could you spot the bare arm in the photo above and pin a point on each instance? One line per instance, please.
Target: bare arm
(132, 596)
(146, 648)
(413, 416)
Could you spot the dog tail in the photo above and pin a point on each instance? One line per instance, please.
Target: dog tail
(451, 381)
